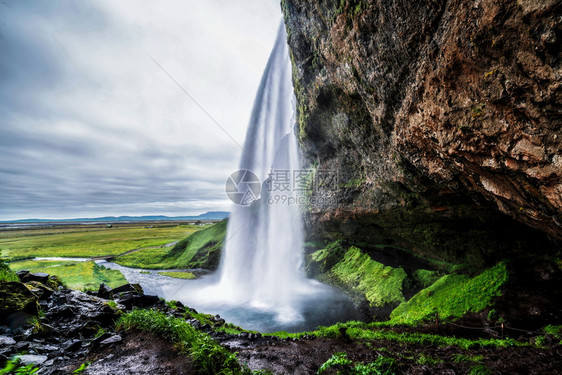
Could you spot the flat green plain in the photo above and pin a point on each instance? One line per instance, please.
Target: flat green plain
(89, 241)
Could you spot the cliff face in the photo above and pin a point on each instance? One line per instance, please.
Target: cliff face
(443, 120)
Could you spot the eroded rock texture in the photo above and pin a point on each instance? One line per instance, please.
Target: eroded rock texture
(442, 118)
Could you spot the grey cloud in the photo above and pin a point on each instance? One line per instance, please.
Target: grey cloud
(88, 124)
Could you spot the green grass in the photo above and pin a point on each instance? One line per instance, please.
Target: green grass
(370, 332)
(207, 355)
(345, 366)
(199, 250)
(75, 275)
(6, 274)
(88, 242)
(178, 275)
(452, 296)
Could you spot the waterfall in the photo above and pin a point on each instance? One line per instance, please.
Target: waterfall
(261, 282)
(262, 257)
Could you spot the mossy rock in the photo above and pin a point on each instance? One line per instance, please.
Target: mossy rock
(40, 290)
(16, 300)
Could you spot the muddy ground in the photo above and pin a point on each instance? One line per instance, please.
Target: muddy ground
(144, 353)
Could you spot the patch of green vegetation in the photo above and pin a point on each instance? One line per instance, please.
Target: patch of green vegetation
(88, 242)
(345, 366)
(145, 272)
(357, 272)
(82, 368)
(452, 296)
(178, 275)
(6, 274)
(553, 330)
(463, 358)
(426, 277)
(207, 355)
(479, 370)
(371, 332)
(75, 275)
(14, 366)
(199, 250)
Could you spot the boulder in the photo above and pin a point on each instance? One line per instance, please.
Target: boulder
(26, 276)
(105, 291)
(40, 290)
(17, 303)
(134, 288)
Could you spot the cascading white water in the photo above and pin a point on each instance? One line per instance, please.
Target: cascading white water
(261, 283)
(262, 258)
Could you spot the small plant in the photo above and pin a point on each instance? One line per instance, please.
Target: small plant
(462, 358)
(427, 360)
(100, 332)
(345, 366)
(540, 341)
(6, 274)
(82, 368)
(479, 370)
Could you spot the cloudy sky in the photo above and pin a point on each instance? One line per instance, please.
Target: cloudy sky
(91, 126)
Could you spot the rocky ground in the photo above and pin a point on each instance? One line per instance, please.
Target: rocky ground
(73, 328)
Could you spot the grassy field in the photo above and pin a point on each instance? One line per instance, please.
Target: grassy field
(89, 241)
(76, 275)
(178, 275)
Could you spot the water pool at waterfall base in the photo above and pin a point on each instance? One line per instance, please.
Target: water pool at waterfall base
(317, 304)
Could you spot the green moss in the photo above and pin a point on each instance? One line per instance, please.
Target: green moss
(452, 296)
(381, 285)
(426, 277)
(16, 297)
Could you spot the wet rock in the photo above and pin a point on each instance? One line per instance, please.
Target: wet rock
(28, 359)
(130, 299)
(111, 340)
(72, 345)
(5, 341)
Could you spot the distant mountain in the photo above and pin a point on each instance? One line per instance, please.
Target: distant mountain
(210, 215)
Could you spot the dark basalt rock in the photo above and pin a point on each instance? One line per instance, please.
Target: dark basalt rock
(66, 331)
(131, 288)
(105, 292)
